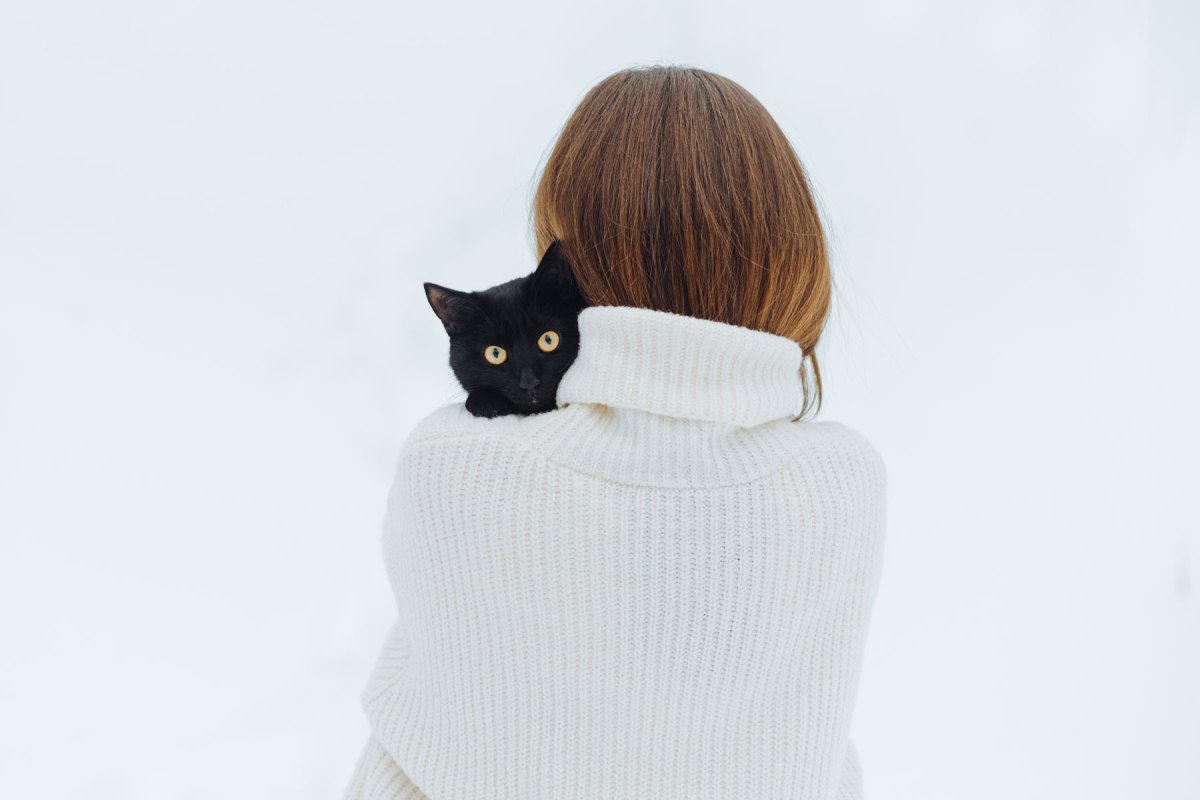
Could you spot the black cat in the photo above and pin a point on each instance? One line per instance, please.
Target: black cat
(511, 344)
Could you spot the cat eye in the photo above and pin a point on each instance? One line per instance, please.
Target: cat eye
(548, 341)
(495, 354)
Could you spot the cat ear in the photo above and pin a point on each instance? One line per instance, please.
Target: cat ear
(553, 257)
(454, 308)
(553, 268)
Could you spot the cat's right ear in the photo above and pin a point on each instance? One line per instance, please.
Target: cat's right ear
(454, 308)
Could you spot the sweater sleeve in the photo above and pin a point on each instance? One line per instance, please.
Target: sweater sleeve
(850, 784)
(376, 774)
(378, 777)
(869, 497)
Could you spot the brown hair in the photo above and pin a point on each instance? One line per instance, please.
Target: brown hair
(673, 188)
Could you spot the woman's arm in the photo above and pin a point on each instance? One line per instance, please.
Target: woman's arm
(850, 784)
(377, 777)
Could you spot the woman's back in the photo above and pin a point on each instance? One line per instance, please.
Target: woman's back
(659, 590)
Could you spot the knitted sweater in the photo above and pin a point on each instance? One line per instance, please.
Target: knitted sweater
(659, 590)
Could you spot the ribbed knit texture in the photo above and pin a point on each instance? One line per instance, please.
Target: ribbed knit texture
(658, 591)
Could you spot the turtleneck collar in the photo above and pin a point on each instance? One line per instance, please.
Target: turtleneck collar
(683, 366)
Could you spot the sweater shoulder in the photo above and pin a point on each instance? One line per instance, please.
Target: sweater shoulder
(844, 449)
(841, 438)
(453, 421)
(443, 422)
(443, 442)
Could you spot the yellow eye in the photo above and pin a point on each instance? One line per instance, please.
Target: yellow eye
(495, 354)
(548, 341)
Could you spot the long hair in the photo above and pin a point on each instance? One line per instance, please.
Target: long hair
(673, 188)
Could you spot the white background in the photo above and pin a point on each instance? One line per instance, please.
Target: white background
(215, 219)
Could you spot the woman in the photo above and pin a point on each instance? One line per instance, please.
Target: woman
(661, 588)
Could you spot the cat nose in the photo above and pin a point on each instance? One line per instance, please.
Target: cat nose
(528, 379)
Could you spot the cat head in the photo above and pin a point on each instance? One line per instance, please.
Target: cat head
(517, 338)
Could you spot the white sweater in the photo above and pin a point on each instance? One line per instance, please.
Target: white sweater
(659, 590)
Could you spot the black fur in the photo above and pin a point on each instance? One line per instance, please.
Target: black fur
(512, 315)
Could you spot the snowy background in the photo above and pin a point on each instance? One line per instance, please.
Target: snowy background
(215, 219)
